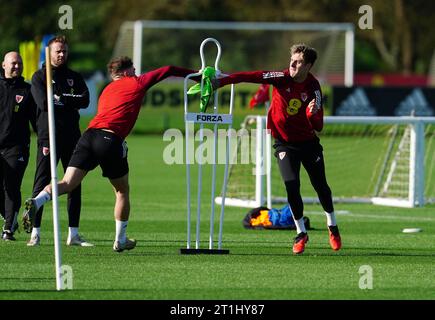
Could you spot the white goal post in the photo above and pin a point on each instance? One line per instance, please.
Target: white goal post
(391, 156)
(337, 51)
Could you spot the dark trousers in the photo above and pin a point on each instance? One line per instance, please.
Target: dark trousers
(13, 164)
(64, 151)
(290, 156)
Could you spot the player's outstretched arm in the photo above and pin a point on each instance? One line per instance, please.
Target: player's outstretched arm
(267, 77)
(149, 79)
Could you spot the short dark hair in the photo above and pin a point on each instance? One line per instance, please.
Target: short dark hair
(61, 39)
(310, 54)
(118, 65)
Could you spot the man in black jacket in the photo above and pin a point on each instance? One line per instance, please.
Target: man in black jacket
(70, 94)
(17, 109)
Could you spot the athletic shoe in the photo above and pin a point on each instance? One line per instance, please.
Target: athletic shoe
(29, 214)
(8, 235)
(34, 241)
(299, 243)
(334, 237)
(78, 241)
(121, 246)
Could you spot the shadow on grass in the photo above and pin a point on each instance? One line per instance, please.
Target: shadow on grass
(258, 248)
(27, 279)
(74, 290)
(315, 252)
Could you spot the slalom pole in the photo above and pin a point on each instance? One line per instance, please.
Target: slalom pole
(54, 193)
(268, 152)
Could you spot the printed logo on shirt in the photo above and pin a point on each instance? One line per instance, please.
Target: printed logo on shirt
(273, 74)
(281, 155)
(304, 96)
(56, 100)
(19, 98)
(17, 108)
(70, 82)
(21, 159)
(294, 106)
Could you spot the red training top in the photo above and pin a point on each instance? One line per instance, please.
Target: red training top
(120, 101)
(289, 117)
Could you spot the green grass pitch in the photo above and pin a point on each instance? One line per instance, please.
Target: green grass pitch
(260, 264)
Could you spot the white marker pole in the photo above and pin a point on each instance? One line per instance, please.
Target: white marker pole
(54, 193)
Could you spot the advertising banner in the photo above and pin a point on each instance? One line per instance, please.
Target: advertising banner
(383, 101)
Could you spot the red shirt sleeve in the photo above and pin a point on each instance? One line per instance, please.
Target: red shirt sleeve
(150, 78)
(269, 77)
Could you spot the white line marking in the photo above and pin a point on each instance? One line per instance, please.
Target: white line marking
(379, 216)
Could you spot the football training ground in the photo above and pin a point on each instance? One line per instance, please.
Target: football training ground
(377, 260)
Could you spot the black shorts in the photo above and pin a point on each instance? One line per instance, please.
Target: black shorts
(99, 147)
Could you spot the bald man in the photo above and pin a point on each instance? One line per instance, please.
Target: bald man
(17, 110)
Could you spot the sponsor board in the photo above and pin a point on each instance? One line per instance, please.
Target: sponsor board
(383, 101)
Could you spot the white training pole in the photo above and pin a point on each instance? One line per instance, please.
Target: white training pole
(416, 165)
(215, 127)
(54, 193)
(268, 152)
(213, 179)
(187, 135)
(269, 169)
(189, 155)
(227, 160)
(198, 208)
(188, 181)
(259, 162)
(202, 118)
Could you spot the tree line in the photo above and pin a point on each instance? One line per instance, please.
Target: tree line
(400, 41)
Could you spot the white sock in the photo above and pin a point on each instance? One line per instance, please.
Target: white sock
(72, 232)
(35, 232)
(300, 225)
(121, 231)
(330, 219)
(42, 198)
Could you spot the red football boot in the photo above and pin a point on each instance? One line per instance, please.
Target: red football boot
(334, 238)
(299, 243)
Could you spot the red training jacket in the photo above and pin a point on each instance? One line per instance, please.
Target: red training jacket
(288, 118)
(120, 101)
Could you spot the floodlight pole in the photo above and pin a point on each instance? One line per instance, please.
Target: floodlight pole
(54, 192)
(137, 46)
(348, 57)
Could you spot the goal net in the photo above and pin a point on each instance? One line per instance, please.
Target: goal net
(247, 45)
(380, 160)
